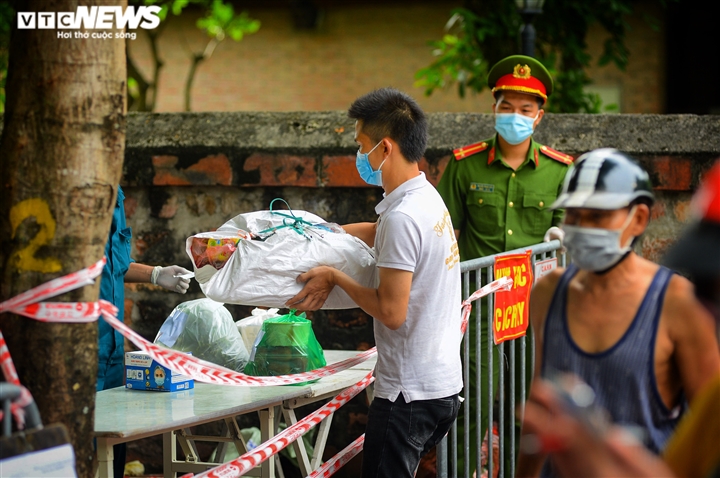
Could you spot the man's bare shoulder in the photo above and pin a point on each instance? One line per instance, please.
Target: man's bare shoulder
(681, 304)
(546, 284)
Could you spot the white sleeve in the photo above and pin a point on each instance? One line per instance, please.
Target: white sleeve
(398, 242)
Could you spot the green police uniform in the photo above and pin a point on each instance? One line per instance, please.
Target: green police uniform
(496, 208)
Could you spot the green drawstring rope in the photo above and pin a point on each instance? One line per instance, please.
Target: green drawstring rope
(297, 224)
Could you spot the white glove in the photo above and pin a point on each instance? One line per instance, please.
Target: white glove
(554, 233)
(169, 278)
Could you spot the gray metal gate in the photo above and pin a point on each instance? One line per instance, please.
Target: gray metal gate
(478, 272)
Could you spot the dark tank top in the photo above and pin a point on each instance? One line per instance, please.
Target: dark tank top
(623, 376)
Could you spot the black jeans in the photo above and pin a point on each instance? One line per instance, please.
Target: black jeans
(398, 434)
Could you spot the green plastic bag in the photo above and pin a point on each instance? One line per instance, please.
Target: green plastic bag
(286, 345)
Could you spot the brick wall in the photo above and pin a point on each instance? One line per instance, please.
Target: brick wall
(358, 47)
(188, 173)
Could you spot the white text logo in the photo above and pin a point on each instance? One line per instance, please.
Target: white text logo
(92, 18)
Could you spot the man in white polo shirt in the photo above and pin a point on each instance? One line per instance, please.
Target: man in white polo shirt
(416, 306)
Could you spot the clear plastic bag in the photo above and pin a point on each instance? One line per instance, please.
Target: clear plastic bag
(205, 328)
(285, 345)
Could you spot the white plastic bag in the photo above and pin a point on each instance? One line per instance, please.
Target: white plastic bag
(249, 327)
(205, 328)
(264, 272)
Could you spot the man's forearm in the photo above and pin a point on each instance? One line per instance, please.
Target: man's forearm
(390, 311)
(365, 231)
(138, 273)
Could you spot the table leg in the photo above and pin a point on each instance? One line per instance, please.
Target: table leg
(267, 431)
(169, 454)
(105, 458)
(320, 442)
(299, 444)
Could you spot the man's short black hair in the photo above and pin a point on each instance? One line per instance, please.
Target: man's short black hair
(389, 113)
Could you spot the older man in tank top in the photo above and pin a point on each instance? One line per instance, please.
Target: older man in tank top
(628, 327)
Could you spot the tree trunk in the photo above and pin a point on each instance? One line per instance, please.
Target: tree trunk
(61, 157)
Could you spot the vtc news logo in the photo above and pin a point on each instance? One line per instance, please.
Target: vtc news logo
(92, 18)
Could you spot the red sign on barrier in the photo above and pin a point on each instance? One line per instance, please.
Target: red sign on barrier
(510, 319)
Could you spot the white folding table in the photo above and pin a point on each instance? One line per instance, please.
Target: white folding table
(123, 415)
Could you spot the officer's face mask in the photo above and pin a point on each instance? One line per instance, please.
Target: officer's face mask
(367, 173)
(514, 127)
(595, 249)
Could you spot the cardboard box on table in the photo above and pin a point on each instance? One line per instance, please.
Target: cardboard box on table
(144, 373)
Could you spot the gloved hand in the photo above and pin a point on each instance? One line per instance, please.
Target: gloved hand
(555, 233)
(167, 278)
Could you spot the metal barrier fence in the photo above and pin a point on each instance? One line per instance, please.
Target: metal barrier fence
(454, 451)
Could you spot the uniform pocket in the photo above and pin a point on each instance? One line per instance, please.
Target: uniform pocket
(122, 251)
(485, 210)
(537, 215)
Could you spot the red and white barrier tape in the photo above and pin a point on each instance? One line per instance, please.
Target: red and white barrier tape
(334, 464)
(52, 288)
(28, 304)
(251, 459)
(503, 283)
(8, 369)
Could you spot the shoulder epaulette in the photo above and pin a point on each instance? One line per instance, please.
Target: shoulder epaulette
(469, 150)
(556, 155)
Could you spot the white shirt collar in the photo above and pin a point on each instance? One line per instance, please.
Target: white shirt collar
(389, 199)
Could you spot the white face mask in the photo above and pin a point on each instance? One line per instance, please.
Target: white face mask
(596, 249)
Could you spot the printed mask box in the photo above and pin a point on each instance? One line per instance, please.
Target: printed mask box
(144, 373)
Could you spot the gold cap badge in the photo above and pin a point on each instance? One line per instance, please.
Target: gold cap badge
(521, 71)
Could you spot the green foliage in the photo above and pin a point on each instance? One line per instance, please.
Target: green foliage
(221, 21)
(485, 31)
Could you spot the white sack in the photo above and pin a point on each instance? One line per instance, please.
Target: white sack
(250, 327)
(264, 273)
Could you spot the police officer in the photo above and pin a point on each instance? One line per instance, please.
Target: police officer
(499, 191)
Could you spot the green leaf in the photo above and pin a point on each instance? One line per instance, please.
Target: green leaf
(236, 32)
(450, 39)
(222, 12)
(178, 5)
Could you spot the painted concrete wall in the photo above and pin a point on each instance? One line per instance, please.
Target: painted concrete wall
(187, 173)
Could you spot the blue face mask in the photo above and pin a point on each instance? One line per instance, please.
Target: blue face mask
(367, 173)
(514, 127)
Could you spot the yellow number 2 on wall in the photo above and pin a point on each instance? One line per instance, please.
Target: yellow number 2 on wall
(25, 259)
